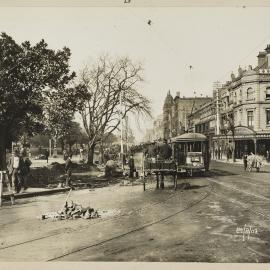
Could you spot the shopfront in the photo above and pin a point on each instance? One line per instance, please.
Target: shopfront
(244, 141)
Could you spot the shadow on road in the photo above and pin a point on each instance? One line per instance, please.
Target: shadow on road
(219, 172)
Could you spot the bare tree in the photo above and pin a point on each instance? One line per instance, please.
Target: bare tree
(100, 89)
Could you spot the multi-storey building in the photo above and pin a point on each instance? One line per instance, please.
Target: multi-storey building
(176, 111)
(154, 133)
(158, 128)
(238, 118)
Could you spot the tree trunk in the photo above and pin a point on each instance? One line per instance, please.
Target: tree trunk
(101, 152)
(91, 151)
(62, 145)
(233, 148)
(3, 163)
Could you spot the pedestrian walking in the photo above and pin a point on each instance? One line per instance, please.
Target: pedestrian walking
(47, 155)
(216, 153)
(68, 171)
(245, 161)
(131, 166)
(65, 155)
(15, 167)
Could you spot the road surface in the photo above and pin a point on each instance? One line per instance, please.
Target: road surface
(223, 217)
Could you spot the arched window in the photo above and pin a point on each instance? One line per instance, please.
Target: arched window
(250, 94)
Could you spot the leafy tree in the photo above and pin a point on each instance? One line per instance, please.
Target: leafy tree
(39, 140)
(99, 93)
(27, 74)
(72, 135)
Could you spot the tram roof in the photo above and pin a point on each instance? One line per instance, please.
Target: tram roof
(189, 137)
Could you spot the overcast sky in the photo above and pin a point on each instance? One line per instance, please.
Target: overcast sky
(214, 41)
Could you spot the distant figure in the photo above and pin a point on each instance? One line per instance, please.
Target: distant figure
(47, 155)
(25, 173)
(15, 167)
(228, 154)
(131, 166)
(165, 151)
(267, 156)
(216, 153)
(245, 161)
(65, 154)
(68, 171)
(81, 152)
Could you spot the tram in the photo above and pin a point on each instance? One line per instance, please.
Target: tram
(185, 155)
(191, 153)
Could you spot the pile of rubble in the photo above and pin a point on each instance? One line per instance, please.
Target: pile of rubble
(72, 211)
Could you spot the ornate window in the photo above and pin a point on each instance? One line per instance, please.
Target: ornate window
(250, 94)
(250, 119)
(268, 117)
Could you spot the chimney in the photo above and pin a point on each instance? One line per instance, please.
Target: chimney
(267, 50)
(178, 93)
(262, 59)
(240, 71)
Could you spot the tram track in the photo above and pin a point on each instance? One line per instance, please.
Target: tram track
(212, 190)
(129, 213)
(243, 204)
(140, 228)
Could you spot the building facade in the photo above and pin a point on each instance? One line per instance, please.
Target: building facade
(176, 111)
(154, 133)
(238, 118)
(158, 128)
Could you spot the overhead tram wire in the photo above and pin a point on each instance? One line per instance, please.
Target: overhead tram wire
(267, 38)
(171, 49)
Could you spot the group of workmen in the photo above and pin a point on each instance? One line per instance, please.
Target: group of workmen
(18, 171)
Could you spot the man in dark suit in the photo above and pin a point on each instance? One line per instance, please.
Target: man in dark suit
(131, 166)
(68, 171)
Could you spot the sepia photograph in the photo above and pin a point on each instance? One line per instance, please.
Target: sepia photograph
(135, 133)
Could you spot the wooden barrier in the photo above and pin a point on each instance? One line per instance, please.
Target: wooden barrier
(3, 175)
(1, 185)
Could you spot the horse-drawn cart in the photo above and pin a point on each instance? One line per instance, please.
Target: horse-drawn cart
(254, 161)
(189, 155)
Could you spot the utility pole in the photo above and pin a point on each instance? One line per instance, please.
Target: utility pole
(121, 128)
(217, 115)
(126, 133)
(50, 147)
(216, 87)
(185, 119)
